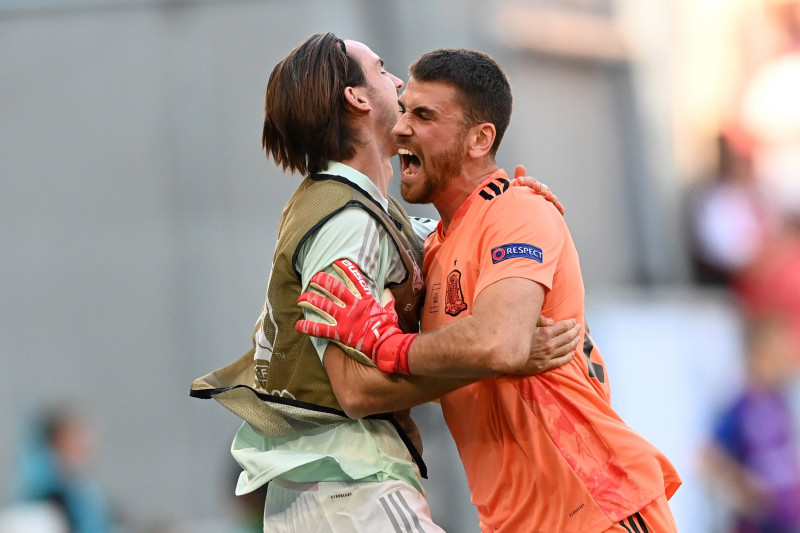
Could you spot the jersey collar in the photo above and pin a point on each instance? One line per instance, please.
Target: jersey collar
(357, 178)
(462, 210)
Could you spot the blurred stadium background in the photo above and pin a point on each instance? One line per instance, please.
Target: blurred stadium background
(138, 214)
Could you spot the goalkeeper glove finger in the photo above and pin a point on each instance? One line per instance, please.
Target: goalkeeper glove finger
(355, 318)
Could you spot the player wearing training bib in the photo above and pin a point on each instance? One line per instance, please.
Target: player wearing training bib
(560, 422)
(355, 475)
(328, 471)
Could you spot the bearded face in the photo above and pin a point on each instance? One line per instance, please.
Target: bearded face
(426, 173)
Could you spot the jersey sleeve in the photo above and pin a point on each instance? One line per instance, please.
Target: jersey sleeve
(350, 234)
(522, 237)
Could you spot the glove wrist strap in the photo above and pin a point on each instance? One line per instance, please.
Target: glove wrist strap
(393, 353)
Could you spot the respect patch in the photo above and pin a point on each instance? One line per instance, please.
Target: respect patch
(516, 249)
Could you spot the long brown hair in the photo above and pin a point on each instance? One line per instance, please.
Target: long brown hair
(305, 114)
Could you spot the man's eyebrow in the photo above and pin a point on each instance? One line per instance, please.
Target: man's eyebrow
(416, 110)
(422, 110)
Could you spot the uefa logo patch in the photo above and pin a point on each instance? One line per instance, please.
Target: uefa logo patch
(516, 249)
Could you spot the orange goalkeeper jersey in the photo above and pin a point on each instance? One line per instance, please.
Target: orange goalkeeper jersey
(545, 453)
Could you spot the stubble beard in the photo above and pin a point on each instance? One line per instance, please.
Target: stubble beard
(443, 168)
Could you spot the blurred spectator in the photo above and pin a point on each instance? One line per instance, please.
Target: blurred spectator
(770, 116)
(770, 111)
(730, 218)
(52, 472)
(753, 456)
(772, 284)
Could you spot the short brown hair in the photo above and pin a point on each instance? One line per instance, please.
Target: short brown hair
(305, 122)
(482, 85)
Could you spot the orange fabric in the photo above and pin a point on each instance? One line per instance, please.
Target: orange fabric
(544, 453)
(655, 518)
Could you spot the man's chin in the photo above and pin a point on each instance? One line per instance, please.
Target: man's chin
(413, 195)
(410, 193)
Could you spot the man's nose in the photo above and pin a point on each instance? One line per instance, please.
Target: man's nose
(401, 127)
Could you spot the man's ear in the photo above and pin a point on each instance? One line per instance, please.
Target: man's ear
(480, 139)
(357, 98)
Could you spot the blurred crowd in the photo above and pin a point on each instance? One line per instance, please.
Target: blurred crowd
(746, 239)
(53, 488)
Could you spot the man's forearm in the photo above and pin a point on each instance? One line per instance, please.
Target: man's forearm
(503, 335)
(457, 350)
(364, 390)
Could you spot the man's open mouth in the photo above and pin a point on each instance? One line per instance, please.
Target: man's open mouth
(409, 162)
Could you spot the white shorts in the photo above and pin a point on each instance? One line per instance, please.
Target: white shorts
(346, 507)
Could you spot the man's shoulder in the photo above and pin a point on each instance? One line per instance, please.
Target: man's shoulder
(506, 198)
(352, 219)
(495, 188)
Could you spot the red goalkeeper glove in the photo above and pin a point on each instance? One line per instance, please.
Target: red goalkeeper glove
(355, 318)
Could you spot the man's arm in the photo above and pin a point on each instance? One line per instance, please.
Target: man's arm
(500, 337)
(365, 390)
(453, 356)
(362, 390)
(496, 338)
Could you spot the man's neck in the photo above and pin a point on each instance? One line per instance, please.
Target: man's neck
(371, 161)
(459, 189)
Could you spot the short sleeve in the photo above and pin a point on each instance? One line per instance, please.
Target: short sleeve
(522, 237)
(350, 234)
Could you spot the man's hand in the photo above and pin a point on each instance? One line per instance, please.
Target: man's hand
(552, 345)
(538, 188)
(355, 319)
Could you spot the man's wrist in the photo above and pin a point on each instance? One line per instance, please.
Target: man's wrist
(392, 354)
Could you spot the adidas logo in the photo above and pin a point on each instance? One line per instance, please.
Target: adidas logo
(494, 189)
